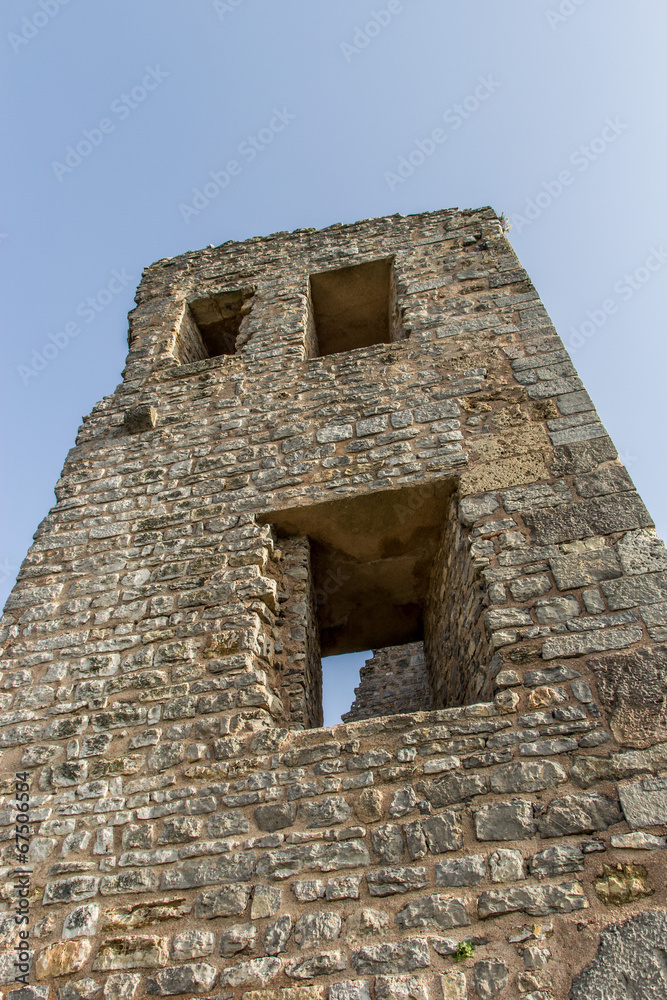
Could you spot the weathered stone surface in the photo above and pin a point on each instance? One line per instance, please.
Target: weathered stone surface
(364, 923)
(70, 890)
(644, 802)
(256, 971)
(311, 929)
(198, 977)
(349, 990)
(622, 884)
(389, 881)
(556, 861)
(406, 956)
(470, 870)
(266, 901)
(436, 835)
(122, 986)
(192, 944)
(324, 857)
(233, 941)
(409, 987)
(324, 963)
(578, 813)
(595, 516)
(277, 935)
(228, 901)
(453, 788)
(275, 816)
(538, 901)
(230, 868)
(81, 922)
(527, 776)
(511, 820)
(633, 688)
(638, 841)
(434, 911)
(387, 841)
(454, 986)
(61, 959)
(490, 978)
(132, 952)
(506, 866)
(629, 961)
(123, 918)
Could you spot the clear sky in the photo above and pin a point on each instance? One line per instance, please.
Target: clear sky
(552, 111)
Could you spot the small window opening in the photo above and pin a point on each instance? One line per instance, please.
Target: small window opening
(211, 325)
(353, 307)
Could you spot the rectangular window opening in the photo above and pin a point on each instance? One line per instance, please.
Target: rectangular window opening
(211, 325)
(353, 307)
(355, 580)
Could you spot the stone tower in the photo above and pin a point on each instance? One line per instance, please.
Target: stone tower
(365, 437)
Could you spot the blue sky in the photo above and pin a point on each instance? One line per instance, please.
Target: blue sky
(552, 111)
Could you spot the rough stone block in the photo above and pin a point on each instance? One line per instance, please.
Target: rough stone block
(644, 802)
(511, 820)
(537, 901)
(583, 812)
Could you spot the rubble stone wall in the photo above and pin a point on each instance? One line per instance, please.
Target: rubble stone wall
(395, 680)
(191, 835)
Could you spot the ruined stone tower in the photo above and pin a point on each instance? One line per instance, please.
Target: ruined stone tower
(365, 437)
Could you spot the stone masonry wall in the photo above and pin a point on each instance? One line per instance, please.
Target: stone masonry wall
(189, 837)
(393, 681)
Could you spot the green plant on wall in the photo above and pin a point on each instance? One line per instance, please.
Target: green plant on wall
(465, 950)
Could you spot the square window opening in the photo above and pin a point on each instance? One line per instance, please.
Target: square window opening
(354, 307)
(211, 325)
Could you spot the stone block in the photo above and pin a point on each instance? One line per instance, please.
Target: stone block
(644, 802)
(470, 870)
(324, 963)
(537, 901)
(350, 990)
(390, 881)
(511, 820)
(629, 960)
(596, 516)
(454, 986)
(132, 952)
(312, 929)
(434, 911)
(407, 987)
(61, 959)
(507, 866)
(583, 812)
(390, 959)
(276, 936)
(556, 861)
(489, 978)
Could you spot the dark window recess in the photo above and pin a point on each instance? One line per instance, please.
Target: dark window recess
(211, 325)
(353, 307)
